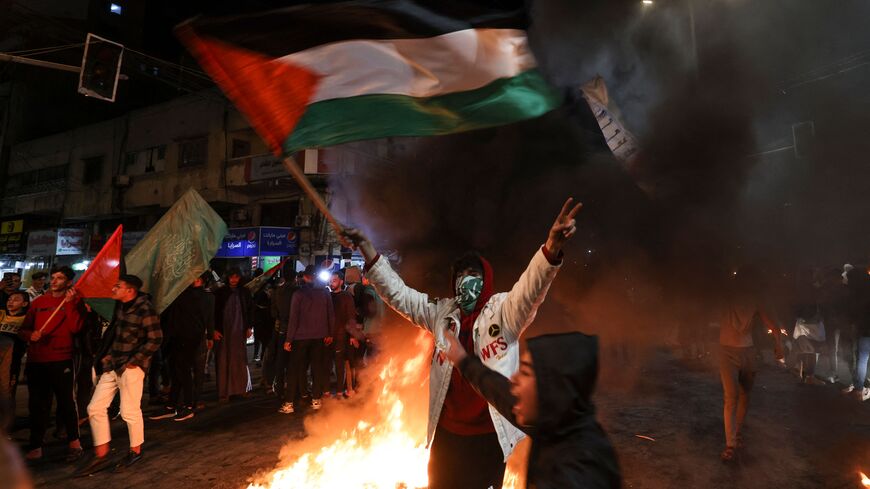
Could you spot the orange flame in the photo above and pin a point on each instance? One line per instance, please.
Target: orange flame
(865, 481)
(381, 451)
(375, 454)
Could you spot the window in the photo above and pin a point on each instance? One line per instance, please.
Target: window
(43, 179)
(93, 169)
(148, 160)
(193, 152)
(241, 148)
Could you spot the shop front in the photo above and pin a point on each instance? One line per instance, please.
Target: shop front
(256, 247)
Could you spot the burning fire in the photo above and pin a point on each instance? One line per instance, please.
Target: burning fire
(865, 481)
(381, 453)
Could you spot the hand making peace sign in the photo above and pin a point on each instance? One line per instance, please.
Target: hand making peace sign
(564, 227)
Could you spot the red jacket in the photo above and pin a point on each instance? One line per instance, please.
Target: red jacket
(56, 343)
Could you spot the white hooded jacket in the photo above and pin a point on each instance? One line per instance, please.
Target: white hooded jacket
(496, 330)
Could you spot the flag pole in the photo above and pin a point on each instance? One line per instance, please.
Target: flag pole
(53, 314)
(291, 166)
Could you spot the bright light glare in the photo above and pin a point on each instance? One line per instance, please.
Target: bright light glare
(324, 275)
(115, 8)
(647, 2)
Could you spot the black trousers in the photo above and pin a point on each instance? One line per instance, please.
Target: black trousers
(84, 382)
(184, 358)
(43, 381)
(274, 348)
(159, 373)
(451, 455)
(199, 371)
(282, 371)
(307, 354)
(334, 356)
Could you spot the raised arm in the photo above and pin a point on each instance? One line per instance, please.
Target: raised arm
(414, 306)
(529, 291)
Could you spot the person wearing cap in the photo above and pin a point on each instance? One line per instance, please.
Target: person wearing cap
(309, 331)
(464, 432)
(233, 326)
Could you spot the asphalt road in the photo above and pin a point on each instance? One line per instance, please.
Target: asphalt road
(797, 436)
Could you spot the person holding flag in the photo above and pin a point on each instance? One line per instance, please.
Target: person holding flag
(49, 326)
(462, 426)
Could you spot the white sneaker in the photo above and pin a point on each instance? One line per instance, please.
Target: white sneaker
(286, 408)
(849, 389)
(316, 404)
(865, 393)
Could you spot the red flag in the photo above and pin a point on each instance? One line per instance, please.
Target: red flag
(95, 285)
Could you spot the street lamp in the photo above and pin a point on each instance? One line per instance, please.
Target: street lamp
(692, 39)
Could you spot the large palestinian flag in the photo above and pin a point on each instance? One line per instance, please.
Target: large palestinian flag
(324, 74)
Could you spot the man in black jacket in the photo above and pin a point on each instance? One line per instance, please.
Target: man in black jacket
(550, 399)
(188, 320)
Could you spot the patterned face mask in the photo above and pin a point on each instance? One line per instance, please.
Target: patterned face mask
(468, 289)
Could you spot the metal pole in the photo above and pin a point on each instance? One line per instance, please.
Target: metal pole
(37, 62)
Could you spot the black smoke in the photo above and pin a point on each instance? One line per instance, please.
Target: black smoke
(709, 114)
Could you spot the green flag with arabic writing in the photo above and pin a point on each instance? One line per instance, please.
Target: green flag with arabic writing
(177, 249)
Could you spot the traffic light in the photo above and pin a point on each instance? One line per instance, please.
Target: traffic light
(101, 65)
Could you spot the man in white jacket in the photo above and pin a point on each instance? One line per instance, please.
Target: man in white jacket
(469, 439)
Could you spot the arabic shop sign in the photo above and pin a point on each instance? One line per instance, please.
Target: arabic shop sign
(239, 242)
(279, 242)
(259, 241)
(41, 243)
(72, 241)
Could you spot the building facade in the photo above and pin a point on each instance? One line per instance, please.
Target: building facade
(131, 169)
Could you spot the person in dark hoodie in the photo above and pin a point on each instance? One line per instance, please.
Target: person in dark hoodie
(462, 428)
(188, 320)
(550, 399)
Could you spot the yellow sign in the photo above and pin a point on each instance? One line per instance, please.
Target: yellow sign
(12, 227)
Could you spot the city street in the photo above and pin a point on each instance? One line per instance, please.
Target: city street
(797, 436)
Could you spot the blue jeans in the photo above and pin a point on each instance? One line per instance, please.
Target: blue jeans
(863, 356)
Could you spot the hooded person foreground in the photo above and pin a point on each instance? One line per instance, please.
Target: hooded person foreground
(550, 399)
(470, 440)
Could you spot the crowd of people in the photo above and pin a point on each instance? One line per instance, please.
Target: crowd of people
(817, 325)
(311, 338)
